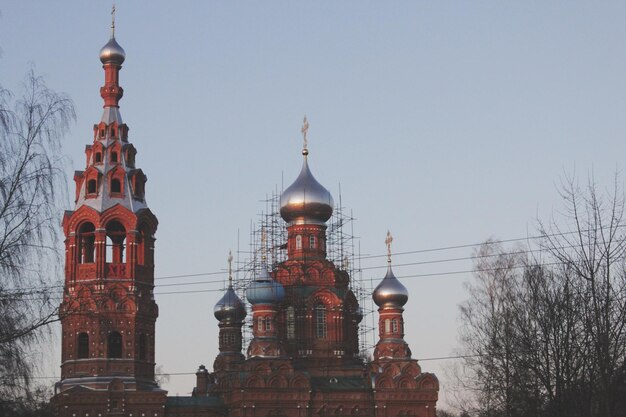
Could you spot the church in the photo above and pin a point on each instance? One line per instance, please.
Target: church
(302, 359)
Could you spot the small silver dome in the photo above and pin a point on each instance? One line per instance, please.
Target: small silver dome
(265, 290)
(390, 292)
(306, 201)
(229, 307)
(112, 52)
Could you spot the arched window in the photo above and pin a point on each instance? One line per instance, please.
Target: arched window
(116, 186)
(113, 157)
(112, 131)
(98, 158)
(92, 186)
(116, 235)
(86, 239)
(394, 325)
(291, 323)
(298, 242)
(268, 323)
(387, 326)
(311, 241)
(101, 133)
(320, 321)
(261, 324)
(114, 345)
(143, 347)
(82, 346)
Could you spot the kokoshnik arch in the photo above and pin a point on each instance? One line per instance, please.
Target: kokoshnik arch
(303, 359)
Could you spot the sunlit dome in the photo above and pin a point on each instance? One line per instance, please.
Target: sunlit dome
(390, 292)
(112, 52)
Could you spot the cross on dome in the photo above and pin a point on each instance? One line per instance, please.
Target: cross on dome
(230, 267)
(388, 241)
(304, 130)
(113, 21)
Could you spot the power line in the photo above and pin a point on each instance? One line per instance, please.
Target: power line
(18, 291)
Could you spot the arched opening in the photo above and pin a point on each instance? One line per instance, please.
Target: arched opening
(394, 325)
(82, 346)
(144, 245)
(114, 345)
(116, 235)
(116, 186)
(298, 242)
(268, 324)
(92, 186)
(143, 347)
(101, 133)
(387, 326)
(261, 324)
(114, 157)
(112, 132)
(320, 321)
(312, 241)
(98, 158)
(86, 239)
(291, 323)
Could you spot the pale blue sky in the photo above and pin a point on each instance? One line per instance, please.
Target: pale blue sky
(445, 122)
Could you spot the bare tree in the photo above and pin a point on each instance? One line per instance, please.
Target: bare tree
(32, 190)
(590, 244)
(546, 335)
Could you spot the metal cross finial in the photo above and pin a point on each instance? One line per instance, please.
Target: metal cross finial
(230, 267)
(113, 21)
(304, 130)
(388, 241)
(263, 244)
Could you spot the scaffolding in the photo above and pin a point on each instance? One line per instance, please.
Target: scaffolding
(341, 249)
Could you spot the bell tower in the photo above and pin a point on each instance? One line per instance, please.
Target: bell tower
(108, 312)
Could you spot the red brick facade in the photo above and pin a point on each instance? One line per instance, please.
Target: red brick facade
(303, 360)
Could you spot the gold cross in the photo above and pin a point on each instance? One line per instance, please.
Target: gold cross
(304, 130)
(388, 241)
(230, 267)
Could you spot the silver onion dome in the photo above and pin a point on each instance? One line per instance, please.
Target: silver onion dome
(306, 201)
(229, 307)
(112, 52)
(390, 292)
(264, 290)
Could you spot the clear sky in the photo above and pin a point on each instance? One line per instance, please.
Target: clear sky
(445, 122)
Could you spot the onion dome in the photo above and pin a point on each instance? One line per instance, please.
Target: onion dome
(112, 52)
(306, 201)
(390, 292)
(229, 307)
(264, 290)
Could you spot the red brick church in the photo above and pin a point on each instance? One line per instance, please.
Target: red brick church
(303, 359)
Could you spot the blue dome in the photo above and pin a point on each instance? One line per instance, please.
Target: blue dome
(264, 290)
